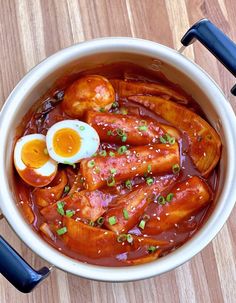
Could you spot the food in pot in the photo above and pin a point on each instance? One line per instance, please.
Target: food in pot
(135, 166)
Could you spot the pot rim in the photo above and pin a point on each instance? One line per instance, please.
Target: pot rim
(201, 238)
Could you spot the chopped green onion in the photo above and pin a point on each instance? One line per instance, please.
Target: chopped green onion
(176, 168)
(91, 163)
(162, 140)
(142, 224)
(124, 138)
(111, 154)
(149, 180)
(149, 168)
(66, 189)
(102, 109)
(115, 104)
(62, 231)
(112, 220)
(111, 181)
(82, 127)
(122, 149)
(94, 155)
(120, 132)
(130, 238)
(167, 139)
(152, 249)
(100, 220)
(109, 132)
(91, 223)
(113, 171)
(161, 200)
(125, 214)
(70, 213)
(124, 111)
(169, 197)
(122, 238)
(128, 184)
(143, 128)
(103, 153)
(60, 207)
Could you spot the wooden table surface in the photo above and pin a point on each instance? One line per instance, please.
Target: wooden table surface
(31, 30)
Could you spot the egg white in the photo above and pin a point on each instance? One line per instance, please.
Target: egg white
(49, 168)
(89, 140)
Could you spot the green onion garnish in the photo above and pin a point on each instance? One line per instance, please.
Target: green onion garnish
(113, 171)
(82, 127)
(66, 189)
(125, 214)
(112, 220)
(115, 104)
(60, 207)
(62, 231)
(143, 128)
(120, 132)
(149, 180)
(111, 154)
(70, 213)
(149, 168)
(100, 220)
(176, 168)
(91, 223)
(109, 132)
(152, 249)
(142, 224)
(111, 181)
(172, 141)
(124, 138)
(102, 109)
(122, 238)
(91, 163)
(161, 200)
(94, 155)
(103, 153)
(162, 140)
(122, 149)
(169, 197)
(129, 238)
(128, 184)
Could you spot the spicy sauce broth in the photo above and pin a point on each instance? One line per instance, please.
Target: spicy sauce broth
(47, 111)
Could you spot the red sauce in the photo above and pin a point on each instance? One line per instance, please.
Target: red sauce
(48, 111)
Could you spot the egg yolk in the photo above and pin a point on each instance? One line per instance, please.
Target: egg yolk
(66, 142)
(34, 153)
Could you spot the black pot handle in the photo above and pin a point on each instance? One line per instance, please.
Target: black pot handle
(216, 42)
(17, 271)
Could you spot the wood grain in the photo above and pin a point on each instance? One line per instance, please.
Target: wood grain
(31, 30)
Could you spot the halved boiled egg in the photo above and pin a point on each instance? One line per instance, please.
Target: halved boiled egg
(32, 160)
(69, 141)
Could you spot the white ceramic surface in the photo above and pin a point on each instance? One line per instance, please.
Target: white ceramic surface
(150, 55)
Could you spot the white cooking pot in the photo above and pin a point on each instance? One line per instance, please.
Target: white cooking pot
(86, 55)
